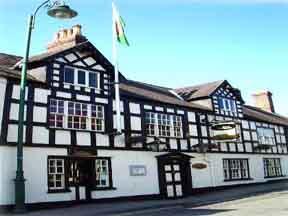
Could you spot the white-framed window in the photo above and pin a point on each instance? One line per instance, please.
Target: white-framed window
(163, 125)
(226, 104)
(266, 136)
(272, 167)
(56, 174)
(56, 117)
(81, 77)
(102, 172)
(236, 169)
(76, 115)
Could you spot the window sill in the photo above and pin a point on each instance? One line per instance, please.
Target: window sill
(73, 129)
(271, 177)
(67, 190)
(103, 188)
(243, 179)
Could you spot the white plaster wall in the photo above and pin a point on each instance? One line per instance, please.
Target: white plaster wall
(41, 95)
(35, 172)
(205, 102)
(8, 169)
(3, 83)
(125, 184)
(40, 135)
(39, 73)
(135, 123)
(40, 114)
(213, 175)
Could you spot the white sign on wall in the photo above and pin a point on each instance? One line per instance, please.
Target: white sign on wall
(138, 170)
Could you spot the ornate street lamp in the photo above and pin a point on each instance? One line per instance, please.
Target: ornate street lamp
(56, 9)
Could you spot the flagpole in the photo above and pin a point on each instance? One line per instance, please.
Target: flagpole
(116, 73)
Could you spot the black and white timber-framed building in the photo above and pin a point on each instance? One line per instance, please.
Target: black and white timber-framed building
(71, 153)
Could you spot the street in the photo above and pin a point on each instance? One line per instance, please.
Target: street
(264, 205)
(265, 200)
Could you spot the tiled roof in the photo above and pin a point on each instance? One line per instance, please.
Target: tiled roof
(8, 60)
(8, 72)
(261, 115)
(198, 91)
(152, 92)
(143, 92)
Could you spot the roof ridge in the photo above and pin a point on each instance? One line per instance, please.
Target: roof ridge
(199, 85)
(265, 112)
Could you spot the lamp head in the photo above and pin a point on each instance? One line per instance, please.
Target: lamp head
(61, 11)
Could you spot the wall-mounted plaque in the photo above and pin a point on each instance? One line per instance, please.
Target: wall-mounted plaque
(137, 170)
(199, 165)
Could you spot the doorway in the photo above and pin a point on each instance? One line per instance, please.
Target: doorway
(175, 179)
(82, 177)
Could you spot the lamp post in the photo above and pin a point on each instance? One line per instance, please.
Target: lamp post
(58, 10)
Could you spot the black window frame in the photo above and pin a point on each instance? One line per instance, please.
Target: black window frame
(241, 178)
(266, 168)
(72, 70)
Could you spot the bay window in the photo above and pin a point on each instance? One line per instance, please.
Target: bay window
(163, 125)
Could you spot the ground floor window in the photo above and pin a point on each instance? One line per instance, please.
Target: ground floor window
(236, 169)
(56, 174)
(92, 172)
(272, 167)
(102, 172)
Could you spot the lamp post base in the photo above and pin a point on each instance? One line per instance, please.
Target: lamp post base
(19, 194)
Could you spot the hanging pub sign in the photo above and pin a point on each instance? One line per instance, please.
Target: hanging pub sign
(225, 131)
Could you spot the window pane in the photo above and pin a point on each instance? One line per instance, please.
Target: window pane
(220, 103)
(69, 75)
(93, 81)
(81, 77)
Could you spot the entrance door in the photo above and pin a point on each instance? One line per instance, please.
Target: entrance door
(82, 178)
(175, 179)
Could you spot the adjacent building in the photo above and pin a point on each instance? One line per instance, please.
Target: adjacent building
(166, 149)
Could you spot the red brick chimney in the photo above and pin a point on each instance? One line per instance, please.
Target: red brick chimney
(66, 38)
(263, 100)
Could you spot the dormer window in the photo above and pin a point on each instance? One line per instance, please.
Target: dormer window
(80, 77)
(226, 104)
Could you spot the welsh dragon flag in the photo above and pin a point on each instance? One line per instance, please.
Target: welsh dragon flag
(119, 26)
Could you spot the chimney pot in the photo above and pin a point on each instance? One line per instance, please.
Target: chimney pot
(66, 38)
(264, 101)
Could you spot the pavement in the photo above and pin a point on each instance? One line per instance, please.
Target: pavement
(226, 202)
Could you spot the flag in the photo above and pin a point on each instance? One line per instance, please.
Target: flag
(119, 26)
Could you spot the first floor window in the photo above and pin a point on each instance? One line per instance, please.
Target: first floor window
(272, 167)
(75, 115)
(163, 125)
(56, 174)
(266, 136)
(236, 169)
(102, 172)
(56, 117)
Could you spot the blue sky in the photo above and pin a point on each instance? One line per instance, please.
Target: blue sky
(176, 43)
